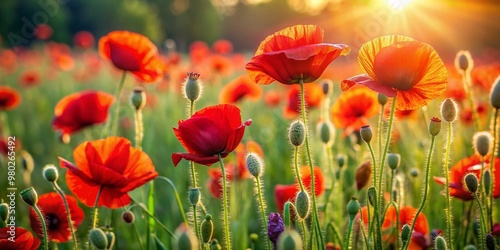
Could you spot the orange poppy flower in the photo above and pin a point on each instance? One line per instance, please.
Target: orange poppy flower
(354, 108)
(198, 52)
(8, 60)
(9, 98)
(466, 116)
(484, 75)
(313, 96)
(402, 67)
(83, 39)
(294, 54)
(30, 78)
(24, 239)
(238, 89)
(455, 87)
(220, 65)
(272, 98)
(284, 193)
(111, 165)
(222, 46)
(132, 52)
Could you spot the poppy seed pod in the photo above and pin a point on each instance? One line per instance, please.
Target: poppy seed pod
(111, 239)
(297, 133)
(138, 99)
(405, 233)
(487, 181)
(194, 196)
(449, 110)
(353, 208)
(382, 99)
(471, 183)
(29, 196)
(372, 196)
(254, 165)
(440, 243)
(362, 175)
(192, 86)
(495, 94)
(470, 247)
(50, 173)
(327, 87)
(98, 238)
(393, 160)
(186, 240)
(482, 142)
(463, 61)
(326, 132)
(434, 126)
(341, 160)
(4, 212)
(414, 172)
(128, 216)
(302, 204)
(490, 242)
(289, 240)
(366, 133)
(207, 228)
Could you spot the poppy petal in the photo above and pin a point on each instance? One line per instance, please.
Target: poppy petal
(235, 138)
(367, 81)
(204, 160)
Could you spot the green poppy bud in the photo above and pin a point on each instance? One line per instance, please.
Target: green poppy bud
(353, 208)
(490, 242)
(366, 133)
(405, 233)
(29, 196)
(434, 126)
(207, 228)
(495, 94)
(98, 238)
(186, 240)
(302, 204)
(471, 182)
(192, 87)
(393, 160)
(297, 133)
(449, 110)
(289, 240)
(463, 61)
(440, 243)
(372, 196)
(194, 196)
(50, 173)
(254, 165)
(111, 239)
(382, 99)
(487, 181)
(482, 142)
(138, 99)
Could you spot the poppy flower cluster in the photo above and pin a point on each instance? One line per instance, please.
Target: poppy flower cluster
(284, 193)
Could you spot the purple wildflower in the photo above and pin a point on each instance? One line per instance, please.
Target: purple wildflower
(275, 227)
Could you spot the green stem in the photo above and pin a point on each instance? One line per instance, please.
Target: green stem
(348, 236)
(4, 123)
(195, 222)
(384, 153)
(136, 232)
(378, 243)
(96, 208)
(449, 220)
(483, 222)
(296, 166)
(374, 162)
(225, 204)
(193, 177)
(44, 227)
(156, 219)
(151, 207)
(469, 212)
(379, 135)
(426, 190)
(286, 214)
(177, 198)
(68, 213)
(311, 166)
(262, 209)
(492, 165)
(332, 185)
(335, 232)
(111, 123)
(466, 82)
(391, 195)
(304, 232)
(138, 129)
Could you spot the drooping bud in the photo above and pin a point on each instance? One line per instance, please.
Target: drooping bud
(194, 196)
(302, 204)
(382, 99)
(111, 239)
(138, 99)
(393, 160)
(487, 181)
(434, 126)
(192, 86)
(495, 94)
(470, 181)
(449, 110)
(372, 196)
(490, 242)
(254, 165)
(214, 245)
(405, 233)
(463, 61)
(341, 160)
(353, 208)
(366, 133)
(98, 238)
(207, 228)
(50, 173)
(482, 142)
(440, 243)
(186, 240)
(128, 216)
(29, 196)
(289, 240)
(362, 175)
(297, 133)
(326, 132)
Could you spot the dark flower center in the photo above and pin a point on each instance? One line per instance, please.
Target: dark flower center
(52, 222)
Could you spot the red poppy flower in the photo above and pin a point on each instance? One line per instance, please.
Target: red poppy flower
(354, 108)
(8, 60)
(293, 54)
(24, 239)
(484, 75)
(402, 67)
(239, 88)
(9, 98)
(80, 110)
(83, 39)
(222, 46)
(455, 87)
(43, 31)
(313, 96)
(198, 52)
(284, 193)
(466, 116)
(209, 132)
(111, 164)
(272, 98)
(220, 65)
(30, 78)
(132, 52)
(52, 207)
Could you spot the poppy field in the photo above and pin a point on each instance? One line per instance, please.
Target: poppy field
(302, 143)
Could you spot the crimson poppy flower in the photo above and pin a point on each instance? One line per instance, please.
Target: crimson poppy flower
(9, 98)
(132, 52)
(30, 78)
(354, 108)
(43, 31)
(294, 54)
(209, 132)
(80, 110)
(398, 66)
(238, 89)
(24, 239)
(313, 96)
(83, 39)
(284, 193)
(110, 164)
(222, 46)
(54, 212)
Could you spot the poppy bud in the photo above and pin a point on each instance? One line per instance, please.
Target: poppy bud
(341, 160)
(372, 196)
(362, 175)
(440, 243)
(366, 133)
(470, 247)
(434, 126)
(490, 242)
(327, 87)
(495, 94)
(476, 228)
(128, 216)
(382, 99)
(414, 172)
(254, 165)
(29, 196)
(463, 61)
(194, 196)
(326, 132)
(98, 238)
(482, 142)
(192, 86)
(393, 160)
(254, 237)
(289, 240)
(297, 133)
(4, 212)
(405, 233)
(50, 173)
(138, 99)
(302, 204)
(487, 181)
(470, 181)
(214, 245)
(111, 239)
(186, 240)
(353, 208)
(449, 110)
(207, 228)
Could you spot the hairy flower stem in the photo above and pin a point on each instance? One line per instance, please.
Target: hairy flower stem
(492, 165)
(449, 219)
(112, 123)
(348, 236)
(177, 197)
(96, 211)
(156, 219)
(139, 133)
(44, 227)
(426, 190)
(262, 209)
(483, 222)
(384, 153)
(468, 91)
(68, 214)
(379, 135)
(225, 205)
(315, 220)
